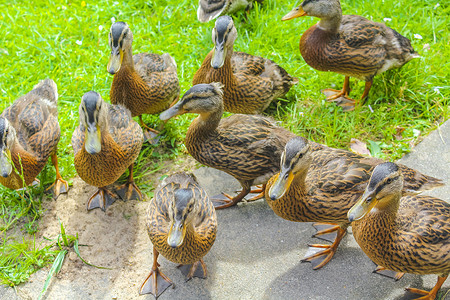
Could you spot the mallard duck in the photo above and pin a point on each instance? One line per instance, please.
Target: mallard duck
(248, 147)
(29, 135)
(105, 144)
(145, 83)
(320, 184)
(404, 234)
(349, 45)
(182, 226)
(250, 82)
(211, 9)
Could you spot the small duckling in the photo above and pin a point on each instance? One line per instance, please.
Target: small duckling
(248, 147)
(105, 144)
(404, 234)
(250, 82)
(182, 226)
(145, 83)
(350, 45)
(29, 135)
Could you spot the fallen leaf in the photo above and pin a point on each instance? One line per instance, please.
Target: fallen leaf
(358, 147)
(398, 133)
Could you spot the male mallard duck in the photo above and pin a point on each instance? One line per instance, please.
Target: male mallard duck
(105, 144)
(211, 9)
(250, 82)
(404, 234)
(320, 184)
(29, 135)
(182, 226)
(248, 147)
(145, 83)
(349, 45)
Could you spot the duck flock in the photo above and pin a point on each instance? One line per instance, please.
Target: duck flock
(302, 181)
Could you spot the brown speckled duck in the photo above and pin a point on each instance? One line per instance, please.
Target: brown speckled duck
(145, 83)
(350, 45)
(211, 9)
(182, 225)
(105, 144)
(250, 82)
(320, 184)
(404, 234)
(248, 147)
(29, 135)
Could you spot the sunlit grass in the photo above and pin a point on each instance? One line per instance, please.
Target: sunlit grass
(67, 41)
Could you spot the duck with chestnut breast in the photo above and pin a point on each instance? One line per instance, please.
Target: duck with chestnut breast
(405, 234)
(211, 9)
(105, 145)
(29, 135)
(321, 185)
(182, 225)
(248, 147)
(145, 83)
(250, 82)
(349, 45)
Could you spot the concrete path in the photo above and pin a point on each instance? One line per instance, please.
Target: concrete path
(257, 254)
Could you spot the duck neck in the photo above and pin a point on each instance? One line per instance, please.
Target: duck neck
(291, 206)
(331, 24)
(223, 74)
(202, 128)
(127, 62)
(387, 209)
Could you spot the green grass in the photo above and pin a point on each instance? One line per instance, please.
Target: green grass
(67, 41)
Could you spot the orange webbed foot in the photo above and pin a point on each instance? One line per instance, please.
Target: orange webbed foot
(155, 283)
(129, 191)
(197, 269)
(101, 199)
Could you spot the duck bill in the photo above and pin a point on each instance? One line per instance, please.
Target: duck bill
(281, 185)
(176, 234)
(115, 60)
(5, 163)
(93, 142)
(362, 207)
(218, 56)
(295, 13)
(175, 110)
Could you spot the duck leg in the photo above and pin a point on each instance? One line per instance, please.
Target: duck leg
(261, 191)
(431, 295)
(102, 198)
(225, 200)
(333, 94)
(129, 190)
(321, 258)
(341, 97)
(60, 186)
(388, 273)
(156, 282)
(150, 135)
(197, 269)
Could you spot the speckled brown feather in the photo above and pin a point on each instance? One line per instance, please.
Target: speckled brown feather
(334, 182)
(251, 83)
(120, 147)
(416, 239)
(247, 147)
(360, 48)
(199, 238)
(35, 119)
(146, 83)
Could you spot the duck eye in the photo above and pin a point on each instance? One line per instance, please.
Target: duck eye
(300, 155)
(389, 180)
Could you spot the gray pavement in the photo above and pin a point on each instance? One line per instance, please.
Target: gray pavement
(257, 254)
